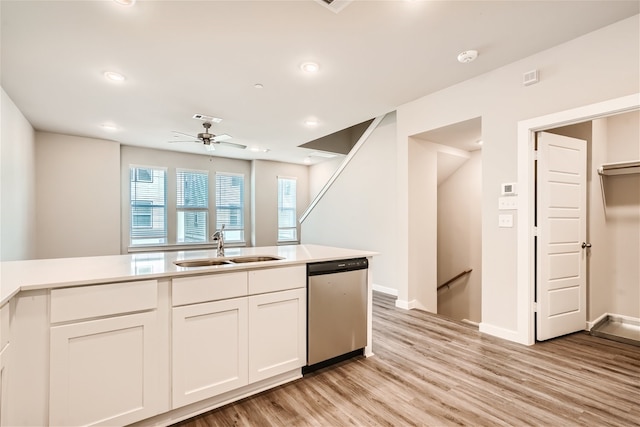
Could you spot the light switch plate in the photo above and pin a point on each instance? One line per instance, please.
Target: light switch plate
(507, 203)
(505, 221)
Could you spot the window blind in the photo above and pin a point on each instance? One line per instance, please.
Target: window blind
(192, 205)
(230, 205)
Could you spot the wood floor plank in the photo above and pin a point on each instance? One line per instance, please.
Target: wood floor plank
(432, 371)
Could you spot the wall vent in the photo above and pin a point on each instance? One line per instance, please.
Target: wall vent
(335, 5)
(205, 118)
(530, 77)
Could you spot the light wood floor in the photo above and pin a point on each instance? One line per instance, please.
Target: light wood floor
(432, 371)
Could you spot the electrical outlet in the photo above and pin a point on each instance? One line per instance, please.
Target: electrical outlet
(507, 203)
(505, 221)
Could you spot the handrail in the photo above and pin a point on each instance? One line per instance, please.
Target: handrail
(453, 279)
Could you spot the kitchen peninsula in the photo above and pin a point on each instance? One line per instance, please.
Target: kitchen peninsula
(137, 338)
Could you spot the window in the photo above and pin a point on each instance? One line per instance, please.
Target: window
(148, 223)
(230, 206)
(287, 218)
(192, 206)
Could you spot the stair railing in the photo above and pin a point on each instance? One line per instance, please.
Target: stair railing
(453, 279)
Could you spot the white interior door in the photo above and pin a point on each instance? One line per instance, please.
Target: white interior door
(561, 223)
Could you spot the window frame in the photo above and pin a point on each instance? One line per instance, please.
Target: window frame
(293, 228)
(134, 199)
(241, 214)
(192, 209)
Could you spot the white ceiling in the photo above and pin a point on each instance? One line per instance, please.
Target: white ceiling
(186, 57)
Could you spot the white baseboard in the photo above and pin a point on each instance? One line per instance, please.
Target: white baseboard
(499, 332)
(385, 290)
(471, 322)
(593, 323)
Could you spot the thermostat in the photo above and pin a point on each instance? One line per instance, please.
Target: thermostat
(509, 189)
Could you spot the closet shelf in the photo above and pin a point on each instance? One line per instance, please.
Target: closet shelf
(620, 168)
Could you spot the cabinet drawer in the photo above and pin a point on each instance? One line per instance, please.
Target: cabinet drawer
(277, 279)
(191, 290)
(103, 300)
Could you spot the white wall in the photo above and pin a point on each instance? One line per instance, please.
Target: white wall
(319, 174)
(265, 204)
(460, 240)
(17, 183)
(78, 194)
(171, 160)
(599, 66)
(358, 211)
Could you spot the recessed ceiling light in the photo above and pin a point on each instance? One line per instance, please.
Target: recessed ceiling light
(467, 56)
(113, 76)
(307, 161)
(109, 127)
(311, 122)
(310, 67)
(322, 154)
(259, 150)
(258, 85)
(125, 2)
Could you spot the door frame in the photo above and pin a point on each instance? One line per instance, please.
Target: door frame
(525, 263)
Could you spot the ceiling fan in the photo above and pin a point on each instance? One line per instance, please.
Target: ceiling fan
(210, 139)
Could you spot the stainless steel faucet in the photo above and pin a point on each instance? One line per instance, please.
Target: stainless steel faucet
(219, 237)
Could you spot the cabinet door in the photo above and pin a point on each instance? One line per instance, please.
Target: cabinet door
(104, 371)
(209, 349)
(277, 333)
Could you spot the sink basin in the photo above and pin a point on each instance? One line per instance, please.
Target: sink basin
(201, 262)
(242, 259)
(224, 261)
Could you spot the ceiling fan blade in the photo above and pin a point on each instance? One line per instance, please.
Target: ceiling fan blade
(175, 140)
(185, 134)
(222, 137)
(233, 144)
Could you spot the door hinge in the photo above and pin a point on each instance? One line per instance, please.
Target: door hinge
(535, 307)
(535, 231)
(535, 154)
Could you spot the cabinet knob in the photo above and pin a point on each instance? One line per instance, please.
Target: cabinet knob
(586, 245)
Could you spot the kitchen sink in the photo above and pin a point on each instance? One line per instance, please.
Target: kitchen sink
(201, 262)
(225, 261)
(242, 259)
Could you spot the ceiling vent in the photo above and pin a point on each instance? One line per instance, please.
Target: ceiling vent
(335, 5)
(530, 77)
(209, 119)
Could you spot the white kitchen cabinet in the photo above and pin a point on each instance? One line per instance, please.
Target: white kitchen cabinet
(104, 370)
(210, 347)
(277, 333)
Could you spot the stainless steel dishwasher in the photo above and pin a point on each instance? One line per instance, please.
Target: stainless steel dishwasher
(337, 311)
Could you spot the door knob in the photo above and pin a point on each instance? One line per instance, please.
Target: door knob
(586, 245)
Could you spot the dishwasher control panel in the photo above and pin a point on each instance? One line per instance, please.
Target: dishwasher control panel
(327, 267)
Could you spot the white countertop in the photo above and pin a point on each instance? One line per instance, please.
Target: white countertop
(16, 276)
